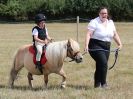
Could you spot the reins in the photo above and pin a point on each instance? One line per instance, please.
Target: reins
(116, 56)
(114, 50)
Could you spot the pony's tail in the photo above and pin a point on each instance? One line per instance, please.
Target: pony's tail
(13, 72)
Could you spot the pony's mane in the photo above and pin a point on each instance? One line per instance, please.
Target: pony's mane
(74, 45)
(56, 52)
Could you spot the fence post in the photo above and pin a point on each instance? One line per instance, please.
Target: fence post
(77, 28)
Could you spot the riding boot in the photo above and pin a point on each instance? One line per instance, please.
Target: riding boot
(39, 66)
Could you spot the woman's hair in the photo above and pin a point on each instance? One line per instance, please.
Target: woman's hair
(101, 8)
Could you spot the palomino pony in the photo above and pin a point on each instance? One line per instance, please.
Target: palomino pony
(56, 52)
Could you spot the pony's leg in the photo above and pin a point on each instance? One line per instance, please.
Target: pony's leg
(13, 75)
(29, 79)
(63, 74)
(46, 80)
(16, 67)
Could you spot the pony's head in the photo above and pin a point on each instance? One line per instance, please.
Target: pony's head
(73, 51)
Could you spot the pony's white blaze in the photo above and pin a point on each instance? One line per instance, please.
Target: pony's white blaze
(56, 52)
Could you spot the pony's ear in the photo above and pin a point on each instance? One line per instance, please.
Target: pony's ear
(69, 42)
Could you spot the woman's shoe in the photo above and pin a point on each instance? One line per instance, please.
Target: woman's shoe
(97, 85)
(105, 86)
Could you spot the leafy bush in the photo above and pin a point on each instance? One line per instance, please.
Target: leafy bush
(26, 9)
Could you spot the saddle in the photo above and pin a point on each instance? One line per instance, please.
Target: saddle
(33, 51)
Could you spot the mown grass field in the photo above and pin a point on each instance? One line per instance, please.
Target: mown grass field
(79, 76)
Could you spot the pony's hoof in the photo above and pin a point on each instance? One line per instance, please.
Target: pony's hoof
(31, 88)
(63, 86)
(45, 87)
(10, 86)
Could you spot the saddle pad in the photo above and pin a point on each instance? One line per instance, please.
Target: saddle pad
(43, 58)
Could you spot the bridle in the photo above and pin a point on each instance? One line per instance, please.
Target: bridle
(114, 50)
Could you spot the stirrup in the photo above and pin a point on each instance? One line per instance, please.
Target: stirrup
(39, 66)
(40, 69)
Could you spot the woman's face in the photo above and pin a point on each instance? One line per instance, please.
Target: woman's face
(42, 24)
(103, 14)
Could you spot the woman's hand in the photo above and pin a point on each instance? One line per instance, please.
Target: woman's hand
(120, 47)
(45, 41)
(86, 49)
(51, 40)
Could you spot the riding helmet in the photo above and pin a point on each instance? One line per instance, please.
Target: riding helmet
(39, 18)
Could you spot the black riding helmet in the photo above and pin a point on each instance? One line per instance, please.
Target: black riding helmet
(39, 18)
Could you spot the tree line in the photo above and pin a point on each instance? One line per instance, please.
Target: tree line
(23, 10)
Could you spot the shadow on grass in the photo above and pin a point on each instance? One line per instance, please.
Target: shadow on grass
(79, 87)
(35, 88)
(15, 87)
(3, 86)
(51, 87)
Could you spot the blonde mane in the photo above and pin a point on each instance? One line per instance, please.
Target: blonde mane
(74, 45)
(56, 52)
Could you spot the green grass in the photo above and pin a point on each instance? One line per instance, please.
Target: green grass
(79, 76)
